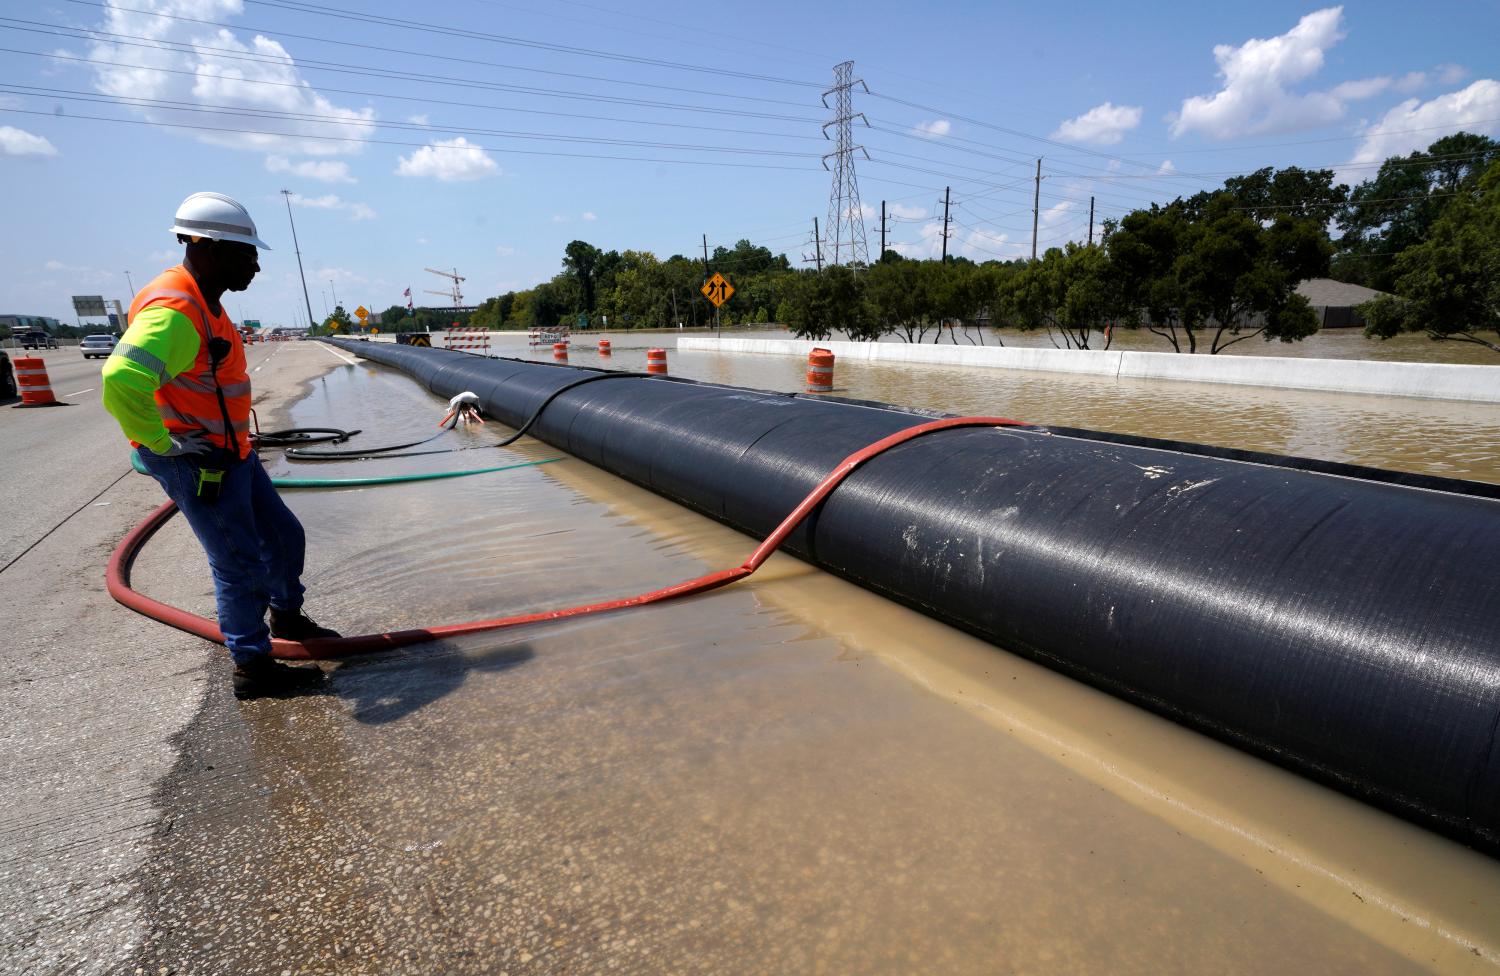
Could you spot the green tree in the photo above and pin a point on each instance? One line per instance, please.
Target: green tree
(581, 262)
(1397, 209)
(832, 299)
(1449, 285)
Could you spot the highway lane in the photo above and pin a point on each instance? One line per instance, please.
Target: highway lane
(55, 460)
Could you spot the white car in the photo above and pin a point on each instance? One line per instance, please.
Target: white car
(97, 345)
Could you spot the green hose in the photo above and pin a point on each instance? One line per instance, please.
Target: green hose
(135, 462)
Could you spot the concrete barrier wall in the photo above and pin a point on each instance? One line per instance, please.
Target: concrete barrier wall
(1437, 381)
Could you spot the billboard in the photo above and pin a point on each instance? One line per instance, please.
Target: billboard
(89, 305)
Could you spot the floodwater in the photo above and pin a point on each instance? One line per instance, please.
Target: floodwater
(1455, 440)
(789, 775)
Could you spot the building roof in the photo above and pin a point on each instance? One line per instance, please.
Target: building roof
(1322, 292)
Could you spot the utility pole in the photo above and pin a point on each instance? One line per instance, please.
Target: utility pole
(817, 244)
(298, 250)
(1091, 221)
(1036, 206)
(846, 219)
(882, 232)
(947, 192)
(705, 257)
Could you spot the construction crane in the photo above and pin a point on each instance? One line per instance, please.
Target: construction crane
(454, 293)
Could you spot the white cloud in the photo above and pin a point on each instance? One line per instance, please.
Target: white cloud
(935, 129)
(505, 250)
(559, 219)
(1256, 75)
(450, 160)
(1472, 109)
(905, 212)
(1104, 124)
(419, 119)
(324, 170)
(339, 276)
(330, 201)
(423, 240)
(207, 79)
(1353, 91)
(1450, 74)
(19, 142)
(590, 215)
(1166, 168)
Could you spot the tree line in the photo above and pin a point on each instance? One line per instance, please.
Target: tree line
(1202, 272)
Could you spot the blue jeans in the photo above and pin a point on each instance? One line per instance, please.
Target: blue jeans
(254, 543)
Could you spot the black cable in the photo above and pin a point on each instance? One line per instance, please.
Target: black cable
(380, 453)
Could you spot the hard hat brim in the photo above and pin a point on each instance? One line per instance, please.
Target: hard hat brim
(201, 228)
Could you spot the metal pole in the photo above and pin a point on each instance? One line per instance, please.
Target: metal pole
(882, 232)
(1091, 221)
(1036, 206)
(298, 250)
(334, 292)
(131, 284)
(947, 190)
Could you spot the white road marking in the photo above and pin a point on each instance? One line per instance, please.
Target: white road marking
(82, 392)
(351, 362)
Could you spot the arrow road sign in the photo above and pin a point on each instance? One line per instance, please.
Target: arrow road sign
(717, 289)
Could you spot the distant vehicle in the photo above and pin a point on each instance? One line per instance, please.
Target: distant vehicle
(7, 377)
(37, 339)
(97, 345)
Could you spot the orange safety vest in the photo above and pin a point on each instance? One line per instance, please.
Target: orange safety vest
(188, 401)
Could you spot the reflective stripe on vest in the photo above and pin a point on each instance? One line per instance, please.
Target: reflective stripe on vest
(189, 401)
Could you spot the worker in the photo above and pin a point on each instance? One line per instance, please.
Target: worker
(177, 384)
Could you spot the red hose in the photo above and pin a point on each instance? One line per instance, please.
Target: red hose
(117, 576)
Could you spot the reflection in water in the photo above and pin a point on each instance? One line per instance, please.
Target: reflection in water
(786, 776)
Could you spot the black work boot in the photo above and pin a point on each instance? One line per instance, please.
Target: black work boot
(294, 625)
(261, 677)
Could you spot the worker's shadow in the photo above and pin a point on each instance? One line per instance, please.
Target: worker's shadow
(385, 688)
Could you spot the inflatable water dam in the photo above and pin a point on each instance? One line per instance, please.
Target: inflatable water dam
(1341, 621)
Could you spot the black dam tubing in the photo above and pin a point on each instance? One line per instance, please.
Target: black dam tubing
(1341, 626)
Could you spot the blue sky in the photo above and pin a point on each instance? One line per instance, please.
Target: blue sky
(357, 109)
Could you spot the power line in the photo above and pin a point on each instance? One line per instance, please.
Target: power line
(235, 110)
(446, 31)
(394, 142)
(228, 54)
(438, 101)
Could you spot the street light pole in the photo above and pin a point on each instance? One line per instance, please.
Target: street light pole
(334, 292)
(131, 284)
(295, 247)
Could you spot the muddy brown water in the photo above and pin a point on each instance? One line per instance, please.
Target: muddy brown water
(788, 775)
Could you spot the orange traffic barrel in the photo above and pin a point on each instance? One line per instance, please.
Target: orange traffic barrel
(656, 360)
(36, 389)
(819, 371)
(604, 347)
(560, 351)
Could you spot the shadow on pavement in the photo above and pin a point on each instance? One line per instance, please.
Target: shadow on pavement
(385, 689)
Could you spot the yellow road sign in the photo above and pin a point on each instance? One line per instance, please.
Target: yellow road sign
(717, 289)
(362, 312)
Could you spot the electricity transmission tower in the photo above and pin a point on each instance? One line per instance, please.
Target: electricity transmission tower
(454, 292)
(845, 233)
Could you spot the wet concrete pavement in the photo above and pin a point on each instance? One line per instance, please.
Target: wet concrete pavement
(785, 776)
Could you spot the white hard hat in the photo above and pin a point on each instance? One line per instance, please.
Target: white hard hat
(217, 217)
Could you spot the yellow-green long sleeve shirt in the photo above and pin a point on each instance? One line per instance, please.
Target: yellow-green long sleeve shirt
(159, 344)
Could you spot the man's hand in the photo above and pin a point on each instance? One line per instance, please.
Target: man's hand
(185, 444)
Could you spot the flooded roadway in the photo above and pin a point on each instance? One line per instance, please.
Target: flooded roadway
(789, 775)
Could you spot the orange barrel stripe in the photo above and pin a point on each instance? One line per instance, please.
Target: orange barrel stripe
(604, 347)
(560, 351)
(656, 360)
(31, 377)
(819, 371)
